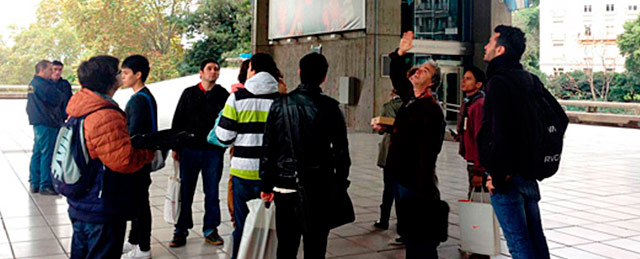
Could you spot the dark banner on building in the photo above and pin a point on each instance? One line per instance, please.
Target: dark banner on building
(291, 18)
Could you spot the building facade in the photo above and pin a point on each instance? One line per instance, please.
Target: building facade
(581, 35)
(452, 32)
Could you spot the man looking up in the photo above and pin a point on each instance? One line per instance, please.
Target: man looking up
(416, 141)
(503, 144)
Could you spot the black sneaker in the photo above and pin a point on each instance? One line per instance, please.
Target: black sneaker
(178, 240)
(381, 225)
(34, 189)
(48, 191)
(214, 239)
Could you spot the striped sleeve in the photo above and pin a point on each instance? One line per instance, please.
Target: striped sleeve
(226, 128)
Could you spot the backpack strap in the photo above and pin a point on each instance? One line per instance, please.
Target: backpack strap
(153, 114)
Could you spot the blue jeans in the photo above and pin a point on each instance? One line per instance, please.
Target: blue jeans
(516, 206)
(191, 163)
(92, 240)
(243, 191)
(44, 140)
(417, 246)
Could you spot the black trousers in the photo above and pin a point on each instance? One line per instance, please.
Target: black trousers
(388, 196)
(289, 233)
(140, 233)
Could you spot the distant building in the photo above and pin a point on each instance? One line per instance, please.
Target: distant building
(581, 35)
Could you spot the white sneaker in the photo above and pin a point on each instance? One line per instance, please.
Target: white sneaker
(137, 254)
(128, 247)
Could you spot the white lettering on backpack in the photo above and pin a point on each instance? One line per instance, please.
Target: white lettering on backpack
(551, 159)
(552, 129)
(60, 155)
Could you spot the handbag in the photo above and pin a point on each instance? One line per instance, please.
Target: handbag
(172, 199)
(479, 228)
(302, 208)
(342, 211)
(259, 240)
(160, 155)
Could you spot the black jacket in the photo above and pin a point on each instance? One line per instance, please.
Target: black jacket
(140, 121)
(321, 145)
(501, 137)
(196, 113)
(417, 137)
(65, 89)
(139, 113)
(44, 103)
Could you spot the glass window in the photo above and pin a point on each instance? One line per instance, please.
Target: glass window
(437, 19)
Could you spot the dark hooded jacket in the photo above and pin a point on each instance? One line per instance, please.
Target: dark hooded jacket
(502, 140)
(44, 103)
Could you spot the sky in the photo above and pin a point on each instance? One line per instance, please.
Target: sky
(20, 12)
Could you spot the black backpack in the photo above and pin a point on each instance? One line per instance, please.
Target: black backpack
(545, 123)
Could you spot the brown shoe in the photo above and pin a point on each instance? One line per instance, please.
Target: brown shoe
(178, 240)
(214, 239)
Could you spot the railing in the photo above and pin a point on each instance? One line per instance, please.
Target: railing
(20, 91)
(592, 116)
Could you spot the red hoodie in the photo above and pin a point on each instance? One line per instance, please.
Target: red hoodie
(472, 119)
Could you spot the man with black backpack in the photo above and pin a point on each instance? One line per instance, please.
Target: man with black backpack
(520, 142)
(141, 113)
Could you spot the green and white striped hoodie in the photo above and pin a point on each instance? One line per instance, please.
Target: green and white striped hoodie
(242, 123)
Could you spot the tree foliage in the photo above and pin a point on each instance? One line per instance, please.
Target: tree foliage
(629, 44)
(220, 28)
(576, 85)
(528, 20)
(74, 30)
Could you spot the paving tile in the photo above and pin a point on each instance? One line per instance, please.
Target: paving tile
(565, 239)
(626, 244)
(37, 248)
(30, 234)
(5, 251)
(572, 253)
(60, 256)
(587, 233)
(608, 251)
(342, 247)
(25, 222)
(612, 230)
(198, 248)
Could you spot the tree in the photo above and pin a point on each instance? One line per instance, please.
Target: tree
(125, 27)
(528, 20)
(223, 28)
(50, 37)
(629, 44)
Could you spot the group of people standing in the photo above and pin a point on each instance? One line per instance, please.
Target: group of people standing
(286, 147)
(250, 120)
(493, 139)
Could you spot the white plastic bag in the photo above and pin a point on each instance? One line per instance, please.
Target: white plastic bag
(479, 228)
(259, 239)
(172, 198)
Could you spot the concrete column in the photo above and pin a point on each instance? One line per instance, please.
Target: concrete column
(486, 15)
(259, 31)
